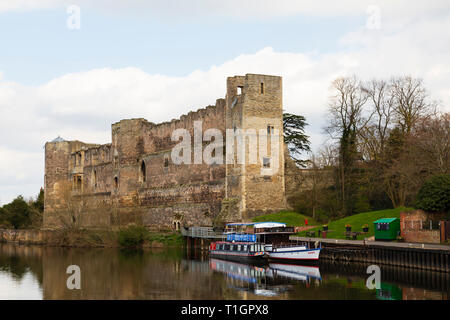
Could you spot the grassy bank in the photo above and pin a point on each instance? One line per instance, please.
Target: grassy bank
(336, 229)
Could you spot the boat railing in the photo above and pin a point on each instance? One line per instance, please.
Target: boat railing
(201, 232)
(289, 245)
(275, 230)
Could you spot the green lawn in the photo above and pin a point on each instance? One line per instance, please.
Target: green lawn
(336, 228)
(288, 217)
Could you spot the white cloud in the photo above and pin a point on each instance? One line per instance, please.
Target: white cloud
(83, 105)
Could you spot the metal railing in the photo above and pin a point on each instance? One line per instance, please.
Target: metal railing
(202, 232)
(275, 230)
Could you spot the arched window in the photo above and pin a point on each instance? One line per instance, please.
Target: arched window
(116, 182)
(143, 171)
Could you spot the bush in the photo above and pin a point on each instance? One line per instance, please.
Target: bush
(133, 236)
(434, 195)
(17, 213)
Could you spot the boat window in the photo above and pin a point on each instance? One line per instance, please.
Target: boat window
(245, 247)
(235, 247)
(227, 247)
(252, 247)
(219, 247)
(239, 247)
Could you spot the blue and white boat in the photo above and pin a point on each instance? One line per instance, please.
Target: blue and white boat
(245, 241)
(238, 247)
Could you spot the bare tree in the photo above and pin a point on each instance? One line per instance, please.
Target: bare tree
(375, 134)
(346, 121)
(411, 102)
(430, 141)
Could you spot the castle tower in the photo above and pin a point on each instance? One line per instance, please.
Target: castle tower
(254, 106)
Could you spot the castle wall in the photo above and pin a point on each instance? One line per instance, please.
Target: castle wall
(134, 179)
(114, 191)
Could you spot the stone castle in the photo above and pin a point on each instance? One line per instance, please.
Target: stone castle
(134, 180)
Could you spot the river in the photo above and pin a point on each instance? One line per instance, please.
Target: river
(35, 272)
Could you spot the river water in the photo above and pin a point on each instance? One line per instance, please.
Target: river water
(34, 272)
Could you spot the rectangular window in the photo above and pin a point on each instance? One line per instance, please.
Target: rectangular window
(239, 90)
(266, 162)
(270, 129)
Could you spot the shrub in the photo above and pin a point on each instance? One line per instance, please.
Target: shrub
(17, 213)
(434, 195)
(133, 236)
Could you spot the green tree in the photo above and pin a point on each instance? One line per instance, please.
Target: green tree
(295, 137)
(38, 204)
(2, 216)
(434, 195)
(18, 213)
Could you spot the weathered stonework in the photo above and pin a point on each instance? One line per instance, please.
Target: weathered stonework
(133, 179)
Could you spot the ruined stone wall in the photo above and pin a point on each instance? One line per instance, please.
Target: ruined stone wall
(134, 179)
(114, 189)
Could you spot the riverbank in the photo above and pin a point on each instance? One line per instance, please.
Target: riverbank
(85, 238)
(336, 228)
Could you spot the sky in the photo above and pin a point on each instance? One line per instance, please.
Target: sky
(72, 68)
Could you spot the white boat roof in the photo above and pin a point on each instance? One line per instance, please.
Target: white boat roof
(269, 224)
(265, 224)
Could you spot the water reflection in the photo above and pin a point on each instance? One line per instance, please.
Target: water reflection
(28, 272)
(268, 280)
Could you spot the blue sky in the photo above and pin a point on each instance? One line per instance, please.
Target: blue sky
(37, 46)
(160, 59)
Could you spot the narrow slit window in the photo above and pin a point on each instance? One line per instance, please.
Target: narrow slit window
(266, 162)
(270, 129)
(143, 171)
(166, 162)
(262, 88)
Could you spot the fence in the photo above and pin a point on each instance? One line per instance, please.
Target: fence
(202, 232)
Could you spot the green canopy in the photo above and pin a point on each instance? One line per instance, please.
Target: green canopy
(385, 220)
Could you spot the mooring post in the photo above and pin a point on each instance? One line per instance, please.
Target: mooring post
(446, 263)
(397, 258)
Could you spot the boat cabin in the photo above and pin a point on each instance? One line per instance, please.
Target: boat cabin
(239, 247)
(266, 232)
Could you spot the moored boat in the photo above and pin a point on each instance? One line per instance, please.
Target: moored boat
(259, 240)
(292, 253)
(237, 251)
